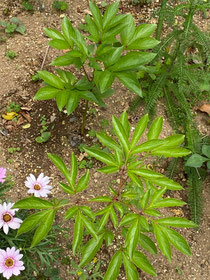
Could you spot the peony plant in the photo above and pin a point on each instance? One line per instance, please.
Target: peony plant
(113, 48)
(131, 207)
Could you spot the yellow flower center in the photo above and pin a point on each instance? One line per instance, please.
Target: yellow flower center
(79, 273)
(7, 218)
(37, 187)
(9, 262)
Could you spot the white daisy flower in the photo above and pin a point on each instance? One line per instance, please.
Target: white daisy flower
(38, 187)
(10, 262)
(7, 219)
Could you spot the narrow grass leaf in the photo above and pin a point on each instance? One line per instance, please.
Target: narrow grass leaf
(58, 162)
(90, 250)
(178, 241)
(176, 222)
(114, 267)
(101, 156)
(121, 134)
(44, 227)
(96, 15)
(89, 226)
(33, 203)
(142, 262)
(162, 240)
(73, 169)
(132, 238)
(30, 222)
(71, 212)
(130, 269)
(147, 243)
(83, 182)
(78, 232)
(139, 130)
(155, 129)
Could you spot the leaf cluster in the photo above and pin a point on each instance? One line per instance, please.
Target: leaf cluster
(197, 160)
(10, 54)
(140, 2)
(60, 5)
(13, 25)
(107, 55)
(13, 107)
(131, 209)
(36, 259)
(28, 6)
(89, 272)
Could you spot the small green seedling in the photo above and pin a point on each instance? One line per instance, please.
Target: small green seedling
(13, 107)
(197, 160)
(178, 270)
(35, 77)
(14, 25)
(104, 4)
(45, 135)
(43, 120)
(93, 111)
(85, 163)
(92, 133)
(10, 54)
(28, 5)
(2, 39)
(12, 150)
(140, 2)
(60, 5)
(104, 123)
(6, 11)
(89, 272)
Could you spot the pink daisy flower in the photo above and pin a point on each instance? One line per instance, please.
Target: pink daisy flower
(7, 219)
(2, 174)
(10, 262)
(38, 187)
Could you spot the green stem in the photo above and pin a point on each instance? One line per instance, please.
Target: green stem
(84, 117)
(160, 20)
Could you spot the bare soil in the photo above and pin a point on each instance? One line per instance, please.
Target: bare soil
(17, 85)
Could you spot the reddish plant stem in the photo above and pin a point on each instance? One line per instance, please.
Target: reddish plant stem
(84, 116)
(122, 182)
(86, 74)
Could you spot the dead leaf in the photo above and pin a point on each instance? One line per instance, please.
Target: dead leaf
(82, 155)
(87, 12)
(26, 126)
(25, 108)
(9, 116)
(25, 115)
(205, 108)
(177, 212)
(9, 127)
(20, 120)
